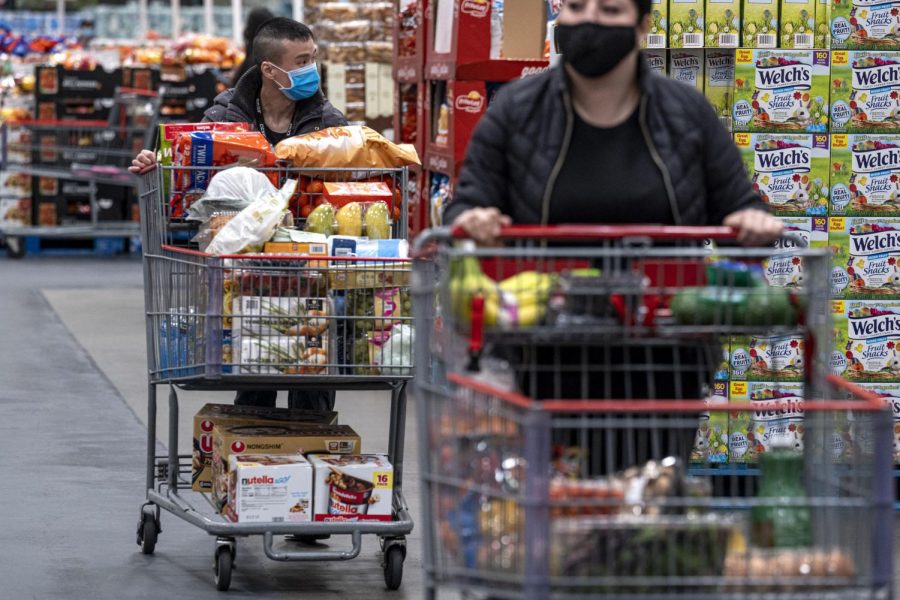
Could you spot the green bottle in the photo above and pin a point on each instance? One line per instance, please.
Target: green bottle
(781, 526)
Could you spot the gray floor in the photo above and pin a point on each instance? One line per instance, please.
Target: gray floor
(72, 423)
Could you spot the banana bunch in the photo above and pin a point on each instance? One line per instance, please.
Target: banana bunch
(526, 297)
(467, 281)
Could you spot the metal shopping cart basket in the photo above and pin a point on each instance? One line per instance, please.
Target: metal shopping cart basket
(270, 322)
(564, 452)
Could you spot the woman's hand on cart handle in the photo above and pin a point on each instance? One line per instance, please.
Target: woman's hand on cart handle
(482, 225)
(755, 227)
(143, 162)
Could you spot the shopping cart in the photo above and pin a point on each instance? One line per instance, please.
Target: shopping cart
(565, 454)
(270, 322)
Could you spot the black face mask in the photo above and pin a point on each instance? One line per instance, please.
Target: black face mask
(593, 49)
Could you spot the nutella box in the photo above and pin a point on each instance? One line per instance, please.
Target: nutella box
(353, 487)
(227, 415)
(265, 488)
(280, 439)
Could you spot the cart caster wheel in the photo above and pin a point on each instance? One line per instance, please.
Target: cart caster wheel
(15, 247)
(393, 567)
(223, 565)
(148, 531)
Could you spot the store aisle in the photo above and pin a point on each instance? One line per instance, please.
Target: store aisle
(73, 450)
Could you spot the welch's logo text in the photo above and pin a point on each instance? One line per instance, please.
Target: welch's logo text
(798, 76)
(863, 244)
(867, 78)
(791, 242)
(862, 328)
(687, 62)
(796, 159)
(768, 410)
(876, 160)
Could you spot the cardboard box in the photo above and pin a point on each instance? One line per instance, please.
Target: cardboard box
(723, 23)
(867, 336)
(866, 92)
(776, 419)
(170, 132)
(308, 248)
(353, 488)
(657, 60)
(760, 24)
(866, 254)
(781, 91)
(711, 440)
(718, 85)
(687, 66)
(767, 358)
(786, 268)
(798, 24)
(524, 29)
(270, 489)
(278, 440)
(823, 24)
(861, 433)
(790, 171)
(865, 176)
(658, 36)
(228, 415)
(864, 25)
(686, 20)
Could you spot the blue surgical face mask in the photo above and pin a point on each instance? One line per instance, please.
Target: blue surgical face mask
(304, 82)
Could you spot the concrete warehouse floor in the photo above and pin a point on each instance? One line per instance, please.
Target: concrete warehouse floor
(73, 394)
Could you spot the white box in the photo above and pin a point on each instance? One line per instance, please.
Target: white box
(352, 487)
(270, 489)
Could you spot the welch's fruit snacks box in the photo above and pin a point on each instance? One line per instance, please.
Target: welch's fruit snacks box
(659, 25)
(785, 268)
(686, 21)
(781, 91)
(867, 336)
(723, 23)
(789, 171)
(711, 439)
(760, 24)
(861, 433)
(687, 66)
(775, 419)
(657, 61)
(866, 254)
(864, 25)
(718, 85)
(865, 95)
(767, 358)
(798, 24)
(865, 174)
(823, 24)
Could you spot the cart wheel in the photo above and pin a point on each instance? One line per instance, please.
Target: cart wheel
(148, 533)
(223, 563)
(393, 567)
(15, 247)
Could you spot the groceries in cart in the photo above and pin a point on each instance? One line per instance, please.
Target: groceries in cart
(352, 487)
(352, 147)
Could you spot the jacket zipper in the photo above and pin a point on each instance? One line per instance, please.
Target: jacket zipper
(560, 160)
(654, 153)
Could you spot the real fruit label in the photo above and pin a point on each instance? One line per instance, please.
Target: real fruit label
(866, 252)
(789, 171)
(711, 439)
(865, 175)
(686, 66)
(686, 20)
(767, 358)
(659, 24)
(867, 334)
(865, 25)
(786, 268)
(718, 85)
(760, 26)
(865, 95)
(775, 420)
(861, 433)
(657, 61)
(798, 23)
(781, 91)
(723, 23)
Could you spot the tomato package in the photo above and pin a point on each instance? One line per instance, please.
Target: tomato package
(216, 149)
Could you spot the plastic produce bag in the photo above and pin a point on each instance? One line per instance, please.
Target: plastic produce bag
(352, 147)
(395, 354)
(255, 225)
(231, 190)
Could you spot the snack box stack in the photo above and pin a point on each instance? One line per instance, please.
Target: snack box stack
(352, 487)
(269, 489)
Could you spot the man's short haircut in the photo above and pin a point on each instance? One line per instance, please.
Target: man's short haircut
(268, 45)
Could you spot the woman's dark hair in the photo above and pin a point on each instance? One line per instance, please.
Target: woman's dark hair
(270, 37)
(255, 19)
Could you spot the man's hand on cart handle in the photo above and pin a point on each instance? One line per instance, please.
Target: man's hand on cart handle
(483, 225)
(143, 162)
(754, 227)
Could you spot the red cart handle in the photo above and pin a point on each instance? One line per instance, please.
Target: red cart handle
(608, 232)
